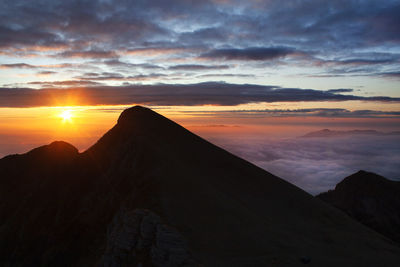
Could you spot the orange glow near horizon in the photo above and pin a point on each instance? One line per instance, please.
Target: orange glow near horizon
(22, 129)
(26, 128)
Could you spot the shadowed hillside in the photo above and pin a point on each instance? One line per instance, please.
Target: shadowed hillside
(370, 199)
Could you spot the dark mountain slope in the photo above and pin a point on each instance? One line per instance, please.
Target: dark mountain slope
(151, 192)
(370, 199)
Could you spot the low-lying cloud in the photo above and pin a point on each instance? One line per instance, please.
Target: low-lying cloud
(318, 164)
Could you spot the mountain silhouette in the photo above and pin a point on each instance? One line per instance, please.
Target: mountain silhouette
(370, 199)
(151, 193)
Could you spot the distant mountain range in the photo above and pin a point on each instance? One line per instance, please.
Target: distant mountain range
(151, 193)
(370, 199)
(330, 133)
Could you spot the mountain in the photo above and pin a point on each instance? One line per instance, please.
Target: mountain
(370, 199)
(151, 193)
(330, 133)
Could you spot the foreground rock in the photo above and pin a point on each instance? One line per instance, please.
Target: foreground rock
(139, 237)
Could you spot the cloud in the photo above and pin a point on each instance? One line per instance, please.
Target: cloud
(313, 25)
(311, 112)
(58, 66)
(196, 67)
(119, 63)
(341, 90)
(251, 53)
(226, 75)
(66, 83)
(26, 36)
(369, 60)
(156, 51)
(88, 54)
(45, 72)
(365, 61)
(357, 73)
(114, 76)
(208, 34)
(17, 66)
(392, 74)
(318, 164)
(216, 93)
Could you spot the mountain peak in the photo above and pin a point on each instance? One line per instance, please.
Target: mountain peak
(361, 172)
(361, 179)
(135, 125)
(61, 145)
(142, 119)
(55, 152)
(362, 182)
(136, 112)
(370, 199)
(57, 148)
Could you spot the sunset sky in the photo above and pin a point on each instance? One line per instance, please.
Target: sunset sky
(228, 70)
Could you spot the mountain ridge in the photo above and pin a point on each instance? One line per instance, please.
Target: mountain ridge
(151, 193)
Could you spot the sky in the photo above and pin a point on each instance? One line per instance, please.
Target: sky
(251, 71)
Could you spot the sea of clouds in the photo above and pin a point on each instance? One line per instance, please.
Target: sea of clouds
(318, 164)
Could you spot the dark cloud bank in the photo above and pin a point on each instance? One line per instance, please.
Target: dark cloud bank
(312, 24)
(251, 53)
(217, 93)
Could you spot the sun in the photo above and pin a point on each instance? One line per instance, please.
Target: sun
(66, 115)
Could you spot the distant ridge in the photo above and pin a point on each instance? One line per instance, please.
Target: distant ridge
(151, 193)
(370, 199)
(331, 133)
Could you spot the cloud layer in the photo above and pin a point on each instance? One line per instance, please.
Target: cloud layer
(216, 93)
(318, 164)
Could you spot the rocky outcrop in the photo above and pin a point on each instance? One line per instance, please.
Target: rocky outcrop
(370, 199)
(139, 238)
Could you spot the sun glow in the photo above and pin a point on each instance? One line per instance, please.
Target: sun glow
(66, 115)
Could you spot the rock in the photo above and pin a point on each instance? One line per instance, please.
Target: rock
(370, 199)
(140, 238)
(305, 260)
